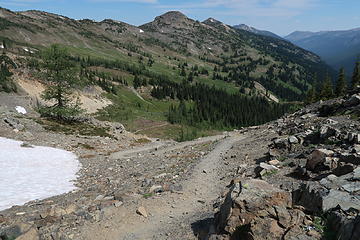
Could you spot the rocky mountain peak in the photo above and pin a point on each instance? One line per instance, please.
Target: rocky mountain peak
(244, 27)
(172, 16)
(211, 21)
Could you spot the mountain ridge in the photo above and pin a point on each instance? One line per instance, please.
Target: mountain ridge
(239, 57)
(256, 31)
(338, 48)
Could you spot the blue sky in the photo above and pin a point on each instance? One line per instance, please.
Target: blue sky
(279, 16)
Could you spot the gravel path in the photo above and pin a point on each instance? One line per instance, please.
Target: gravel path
(170, 214)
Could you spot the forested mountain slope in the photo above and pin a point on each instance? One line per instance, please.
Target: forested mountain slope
(152, 71)
(237, 56)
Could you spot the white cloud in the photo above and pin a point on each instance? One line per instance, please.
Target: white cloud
(34, 1)
(128, 1)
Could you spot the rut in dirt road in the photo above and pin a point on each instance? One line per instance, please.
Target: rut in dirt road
(171, 214)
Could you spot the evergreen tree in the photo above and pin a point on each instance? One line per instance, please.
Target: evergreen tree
(137, 82)
(340, 89)
(183, 72)
(191, 77)
(6, 83)
(310, 96)
(62, 76)
(327, 89)
(355, 81)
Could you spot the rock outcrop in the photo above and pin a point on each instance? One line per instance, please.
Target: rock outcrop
(312, 174)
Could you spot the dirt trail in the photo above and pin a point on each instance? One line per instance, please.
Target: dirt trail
(161, 147)
(170, 215)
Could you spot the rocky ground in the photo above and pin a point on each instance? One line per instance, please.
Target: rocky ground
(295, 178)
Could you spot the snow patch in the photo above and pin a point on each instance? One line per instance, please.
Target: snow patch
(32, 173)
(141, 31)
(21, 110)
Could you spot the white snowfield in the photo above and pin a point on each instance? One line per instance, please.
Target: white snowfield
(34, 173)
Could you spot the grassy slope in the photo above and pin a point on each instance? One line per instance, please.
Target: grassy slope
(129, 46)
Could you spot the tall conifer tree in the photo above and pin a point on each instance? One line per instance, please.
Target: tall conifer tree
(355, 81)
(341, 84)
(327, 88)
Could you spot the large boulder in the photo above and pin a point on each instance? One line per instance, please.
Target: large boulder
(354, 100)
(347, 227)
(327, 131)
(330, 193)
(350, 158)
(256, 210)
(353, 137)
(318, 157)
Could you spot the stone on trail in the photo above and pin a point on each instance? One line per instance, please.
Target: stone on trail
(268, 166)
(156, 189)
(142, 212)
(274, 162)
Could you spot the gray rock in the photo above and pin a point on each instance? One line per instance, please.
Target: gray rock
(142, 211)
(99, 198)
(310, 196)
(273, 153)
(118, 204)
(268, 166)
(308, 116)
(318, 157)
(354, 100)
(318, 199)
(14, 123)
(259, 209)
(156, 189)
(326, 131)
(339, 198)
(353, 137)
(350, 158)
(281, 143)
(343, 169)
(346, 227)
(356, 174)
(351, 187)
(293, 140)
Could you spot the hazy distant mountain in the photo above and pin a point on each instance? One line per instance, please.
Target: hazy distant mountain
(337, 48)
(256, 31)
